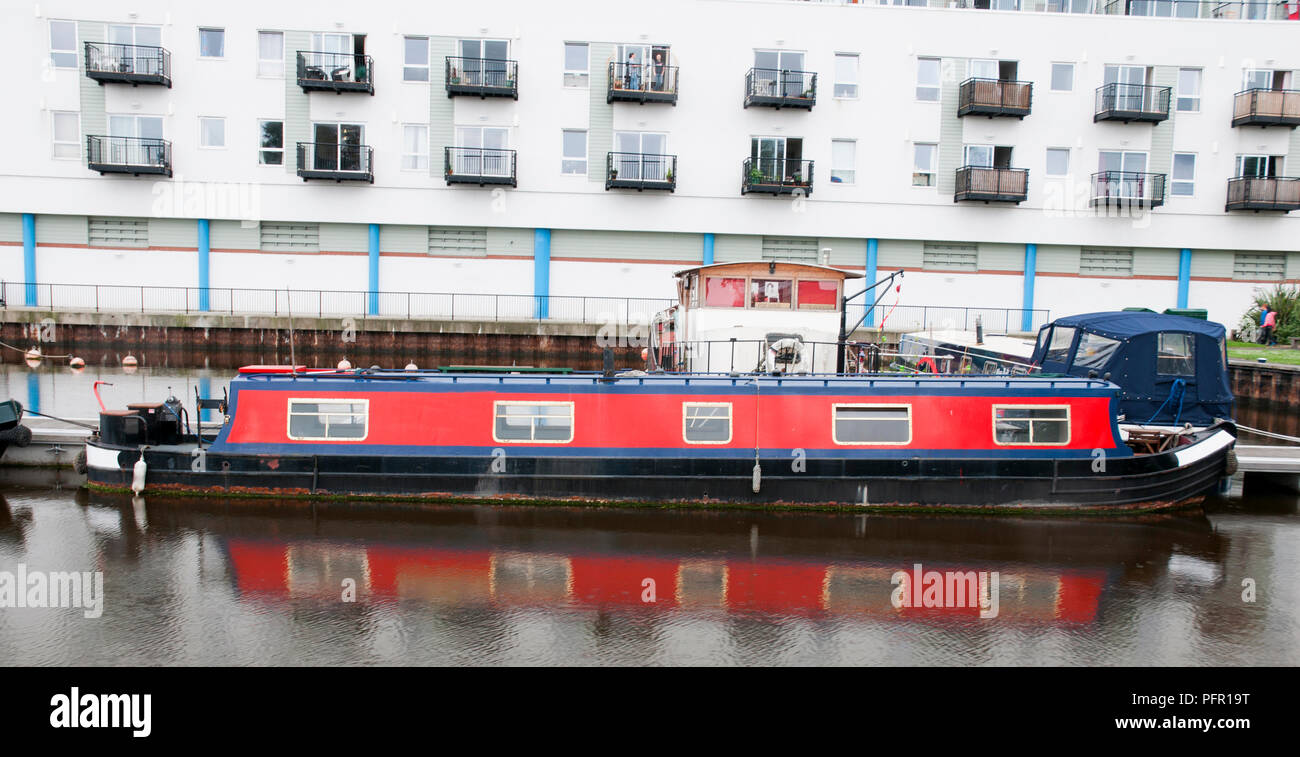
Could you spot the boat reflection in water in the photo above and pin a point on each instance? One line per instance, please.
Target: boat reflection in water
(1050, 571)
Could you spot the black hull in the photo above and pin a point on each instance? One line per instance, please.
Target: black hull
(1134, 484)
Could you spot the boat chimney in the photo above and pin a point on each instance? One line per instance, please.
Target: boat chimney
(979, 329)
(608, 360)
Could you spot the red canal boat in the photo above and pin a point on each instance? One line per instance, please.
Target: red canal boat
(783, 434)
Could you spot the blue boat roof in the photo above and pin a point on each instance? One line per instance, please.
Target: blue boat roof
(1125, 324)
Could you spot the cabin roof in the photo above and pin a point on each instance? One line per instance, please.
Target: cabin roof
(785, 267)
(1125, 324)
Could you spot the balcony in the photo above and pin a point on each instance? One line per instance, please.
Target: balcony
(335, 72)
(482, 77)
(640, 171)
(1263, 193)
(776, 176)
(993, 97)
(336, 162)
(992, 184)
(780, 89)
(128, 64)
(641, 83)
(1132, 102)
(479, 165)
(1128, 189)
(1266, 107)
(133, 155)
(1256, 10)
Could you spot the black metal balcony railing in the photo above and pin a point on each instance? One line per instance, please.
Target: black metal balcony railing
(1266, 107)
(479, 165)
(133, 155)
(776, 176)
(1128, 189)
(992, 184)
(482, 77)
(779, 88)
(642, 83)
(994, 97)
(335, 72)
(130, 64)
(1256, 10)
(336, 162)
(1131, 102)
(635, 170)
(1263, 193)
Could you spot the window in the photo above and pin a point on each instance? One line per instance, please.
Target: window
(1260, 166)
(1105, 262)
(458, 241)
(1031, 425)
(271, 141)
(641, 156)
(416, 59)
(1062, 77)
(326, 419)
(118, 232)
(1259, 266)
(575, 152)
(1058, 350)
(950, 257)
(270, 54)
(1095, 350)
(923, 158)
(415, 147)
(290, 237)
(482, 151)
(576, 73)
(533, 422)
(1058, 161)
(927, 79)
(843, 159)
(212, 43)
(63, 44)
(771, 294)
(816, 294)
(1184, 178)
(1189, 90)
(212, 132)
(872, 424)
(67, 135)
(1175, 354)
(724, 292)
(706, 422)
(846, 76)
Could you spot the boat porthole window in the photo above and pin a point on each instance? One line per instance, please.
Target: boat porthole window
(872, 424)
(706, 422)
(1032, 425)
(532, 422)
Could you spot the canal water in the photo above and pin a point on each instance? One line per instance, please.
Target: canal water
(213, 582)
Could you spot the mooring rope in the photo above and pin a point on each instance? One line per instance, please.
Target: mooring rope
(50, 357)
(1269, 434)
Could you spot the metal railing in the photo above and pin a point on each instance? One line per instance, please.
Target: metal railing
(1263, 193)
(119, 60)
(1128, 188)
(902, 318)
(1132, 102)
(128, 152)
(479, 165)
(1251, 10)
(335, 158)
(1266, 106)
(779, 175)
(772, 86)
(317, 303)
(482, 75)
(325, 70)
(635, 79)
(998, 184)
(640, 170)
(994, 97)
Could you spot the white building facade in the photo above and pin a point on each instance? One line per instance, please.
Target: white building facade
(1038, 155)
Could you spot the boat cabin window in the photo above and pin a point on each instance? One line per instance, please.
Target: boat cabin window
(771, 293)
(1095, 350)
(872, 424)
(1059, 350)
(818, 295)
(1176, 355)
(533, 422)
(1031, 425)
(724, 292)
(706, 422)
(325, 419)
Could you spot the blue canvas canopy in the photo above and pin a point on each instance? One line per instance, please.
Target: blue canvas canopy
(1170, 369)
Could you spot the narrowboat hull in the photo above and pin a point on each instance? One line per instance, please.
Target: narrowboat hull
(891, 481)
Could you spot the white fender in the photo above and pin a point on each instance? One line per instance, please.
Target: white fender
(137, 477)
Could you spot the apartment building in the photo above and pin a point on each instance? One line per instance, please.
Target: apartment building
(1058, 155)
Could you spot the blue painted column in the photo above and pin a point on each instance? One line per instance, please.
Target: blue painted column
(1031, 264)
(708, 249)
(1184, 276)
(34, 391)
(205, 391)
(373, 307)
(870, 278)
(29, 259)
(205, 266)
(542, 272)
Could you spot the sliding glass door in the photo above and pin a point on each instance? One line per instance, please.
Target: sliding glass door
(338, 147)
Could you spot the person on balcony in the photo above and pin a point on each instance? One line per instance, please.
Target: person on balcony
(633, 72)
(659, 72)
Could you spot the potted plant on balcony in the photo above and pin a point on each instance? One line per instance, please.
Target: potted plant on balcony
(670, 177)
(755, 176)
(613, 174)
(807, 94)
